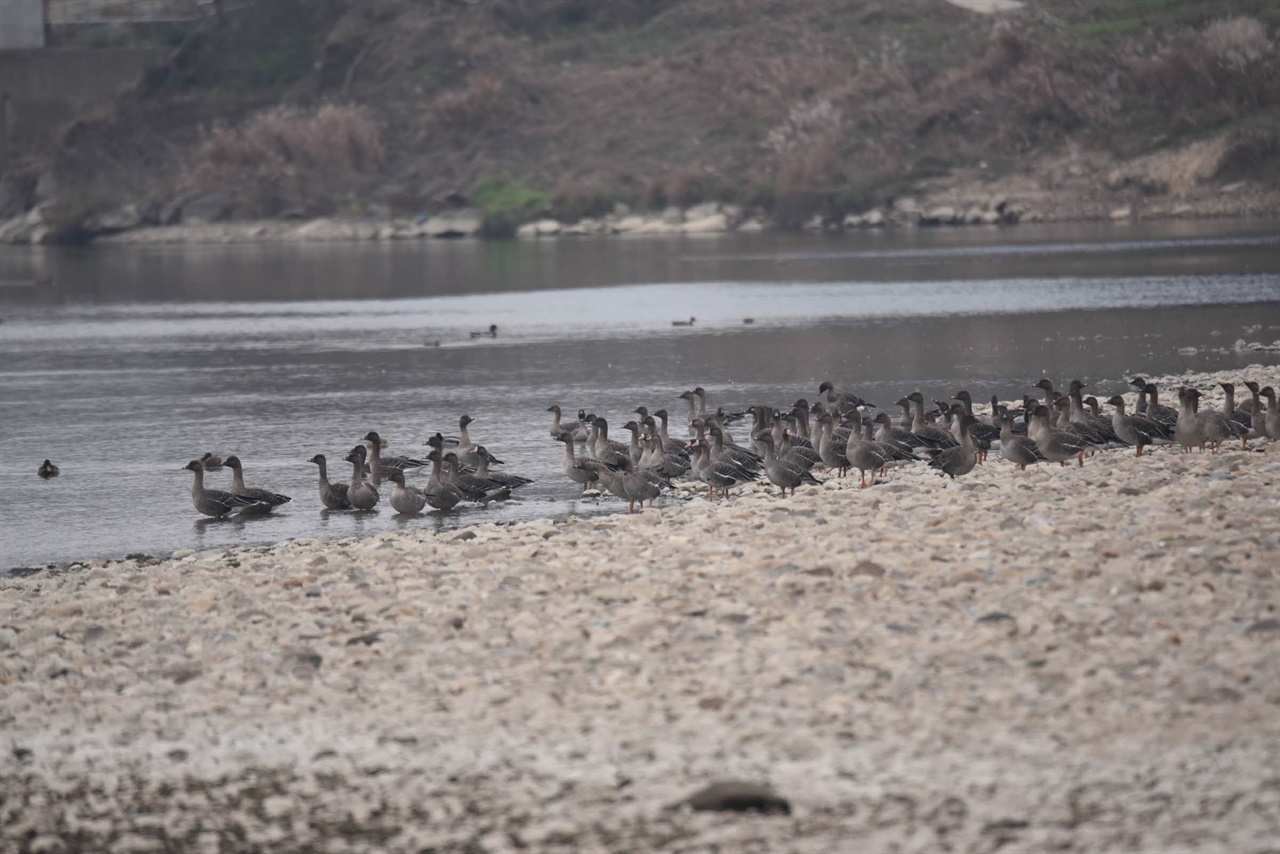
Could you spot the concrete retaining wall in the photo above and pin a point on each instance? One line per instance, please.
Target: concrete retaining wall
(45, 90)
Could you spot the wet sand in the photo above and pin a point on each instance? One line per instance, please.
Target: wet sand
(1072, 658)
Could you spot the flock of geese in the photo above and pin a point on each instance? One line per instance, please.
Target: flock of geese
(836, 431)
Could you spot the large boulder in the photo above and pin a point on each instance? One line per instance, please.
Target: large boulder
(462, 222)
(119, 219)
(940, 215)
(712, 224)
(214, 206)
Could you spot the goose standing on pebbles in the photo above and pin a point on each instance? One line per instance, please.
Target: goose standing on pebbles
(1271, 418)
(1019, 450)
(783, 473)
(267, 499)
(214, 502)
(1136, 431)
(362, 494)
(1189, 429)
(332, 495)
(960, 459)
(1057, 446)
(47, 470)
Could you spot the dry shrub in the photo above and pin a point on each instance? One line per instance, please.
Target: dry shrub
(574, 198)
(289, 156)
(1228, 69)
(1236, 42)
(471, 109)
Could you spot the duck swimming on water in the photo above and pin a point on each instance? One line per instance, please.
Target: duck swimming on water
(47, 470)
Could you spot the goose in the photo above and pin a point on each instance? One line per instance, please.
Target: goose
(1189, 429)
(783, 473)
(718, 475)
(604, 449)
(491, 332)
(214, 502)
(1150, 406)
(1237, 415)
(362, 494)
(1019, 450)
(211, 461)
(577, 471)
(1057, 446)
(407, 500)
(332, 495)
(474, 488)
(961, 459)
(688, 322)
(897, 436)
(380, 466)
(440, 493)
(511, 481)
(1271, 418)
(642, 485)
(1137, 431)
(47, 470)
(267, 499)
(932, 435)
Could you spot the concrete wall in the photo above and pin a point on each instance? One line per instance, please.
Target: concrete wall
(45, 90)
(21, 24)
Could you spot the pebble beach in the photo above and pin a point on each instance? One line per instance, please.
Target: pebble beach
(1078, 658)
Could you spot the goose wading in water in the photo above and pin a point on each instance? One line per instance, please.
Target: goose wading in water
(362, 494)
(267, 499)
(576, 470)
(332, 495)
(405, 499)
(214, 502)
(379, 466)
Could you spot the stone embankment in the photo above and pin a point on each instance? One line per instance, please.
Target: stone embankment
(1067, 658)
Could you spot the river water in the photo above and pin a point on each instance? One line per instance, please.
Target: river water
(134, 360)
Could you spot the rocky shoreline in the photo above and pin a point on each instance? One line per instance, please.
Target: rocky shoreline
(956, 202)
(1077, 658)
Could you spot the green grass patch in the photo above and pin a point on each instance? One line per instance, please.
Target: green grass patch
(507, 203)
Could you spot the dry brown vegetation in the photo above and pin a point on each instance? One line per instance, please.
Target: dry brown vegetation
(796, 107)
(288, 157)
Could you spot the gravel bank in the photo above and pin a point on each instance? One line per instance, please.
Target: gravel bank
(1080, 658)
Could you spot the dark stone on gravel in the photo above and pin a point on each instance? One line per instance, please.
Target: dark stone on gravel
(737, 796)
(1269, 625)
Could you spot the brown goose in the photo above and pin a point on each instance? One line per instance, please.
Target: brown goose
(332, 495)
(1057, 446)
(407, 500)
(267, 500)
(362, 494)
(782, 473)
(1136, 431)
(960, 459)
(1019, 450)
(380, 466)
(215, 502)
(576, 470)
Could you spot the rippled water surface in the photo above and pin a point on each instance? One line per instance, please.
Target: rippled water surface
(134, 360)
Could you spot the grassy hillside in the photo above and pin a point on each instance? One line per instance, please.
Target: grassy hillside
(312, 107)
